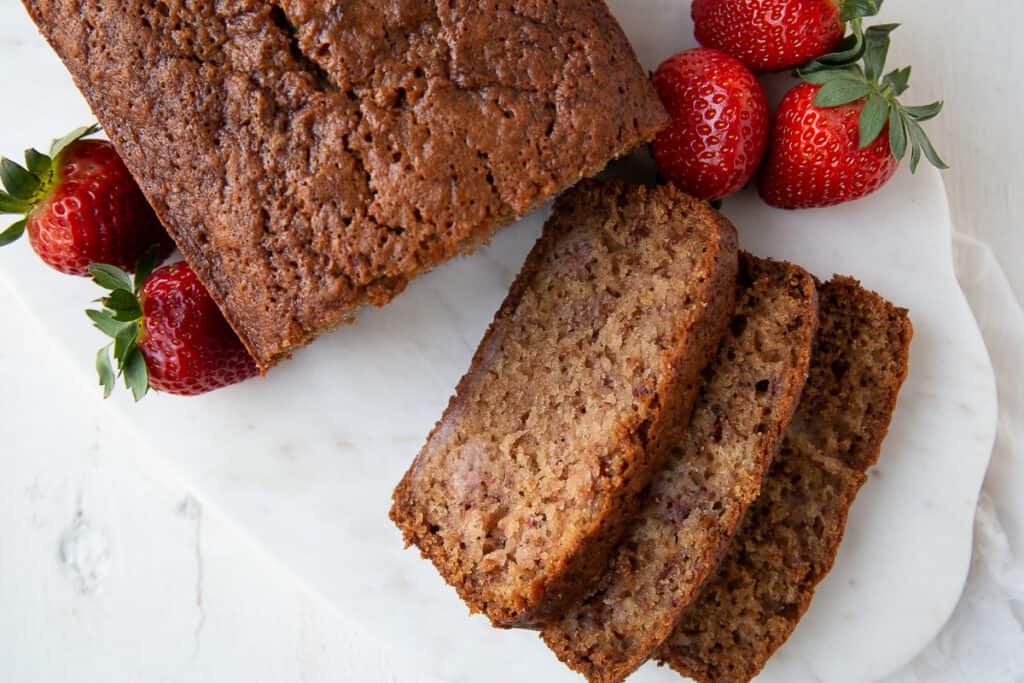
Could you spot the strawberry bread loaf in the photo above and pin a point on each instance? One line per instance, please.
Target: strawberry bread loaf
(311, 156)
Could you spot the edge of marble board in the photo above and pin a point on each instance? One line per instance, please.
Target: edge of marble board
(988, 427)
(162, 468)
(991, 424)
(162, 465)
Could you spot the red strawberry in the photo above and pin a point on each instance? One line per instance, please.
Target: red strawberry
(815, 158)
(168, 333)
(81, 205)
(719, 123)
(774, 35)
(841, 135)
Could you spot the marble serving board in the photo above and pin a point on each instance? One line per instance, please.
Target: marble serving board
(304, 460)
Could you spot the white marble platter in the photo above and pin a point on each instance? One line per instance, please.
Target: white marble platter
(304, 460)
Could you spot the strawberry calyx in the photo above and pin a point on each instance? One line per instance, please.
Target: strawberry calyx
(24, 186)
(121, 319)
(852, 10)
(851, 48)
(855, 72)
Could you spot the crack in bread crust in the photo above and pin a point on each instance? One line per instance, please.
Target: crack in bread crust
(312, 156)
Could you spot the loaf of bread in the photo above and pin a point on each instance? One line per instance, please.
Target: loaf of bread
(791, 535)
(310, 156)
(583, 382)
(698, 499)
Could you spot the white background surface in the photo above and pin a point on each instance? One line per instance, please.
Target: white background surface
(107, 572)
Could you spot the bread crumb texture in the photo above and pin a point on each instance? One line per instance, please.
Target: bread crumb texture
(789, 540)
(584, 379)
(696, 502)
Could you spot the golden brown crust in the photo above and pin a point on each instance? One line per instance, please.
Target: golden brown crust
(714, 473)
(791, 535)
(312, 156)
(579, 335)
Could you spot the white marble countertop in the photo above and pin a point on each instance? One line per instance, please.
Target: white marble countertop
(109, 571)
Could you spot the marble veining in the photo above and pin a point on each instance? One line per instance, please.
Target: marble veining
(190, 509)
(85, 554)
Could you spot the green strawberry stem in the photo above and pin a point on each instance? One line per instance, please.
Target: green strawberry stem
(120, 318)
(851, 48)
(843, 79)
(852, 10)
(24, 186)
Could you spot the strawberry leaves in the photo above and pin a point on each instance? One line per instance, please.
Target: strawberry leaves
(843, 80)
(59, 144)
(876, 50)
(111, 277)
(104, 321)
(38, 164)
(852, 47)
(898, 80)
(13, 232)
(920, 143)
(873, 118)
(24, 185)
(19, 182)
(924, 113)
(120, 318)
(136, 375)
(897, 134)
(9, 204)
(148, 262)
(859, 9)
(838, 86)
(105, 371)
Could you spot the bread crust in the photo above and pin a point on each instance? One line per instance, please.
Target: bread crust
(313, 156)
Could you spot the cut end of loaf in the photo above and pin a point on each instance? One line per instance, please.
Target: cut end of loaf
(571, 398)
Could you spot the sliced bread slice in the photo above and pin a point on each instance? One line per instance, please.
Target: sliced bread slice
(791, 535)
(697, 501)
(585, 379)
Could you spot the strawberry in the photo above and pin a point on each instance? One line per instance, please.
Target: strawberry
(842, 133)
(81, 206)
(774, 35)
(719, 123)
(168, 333)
